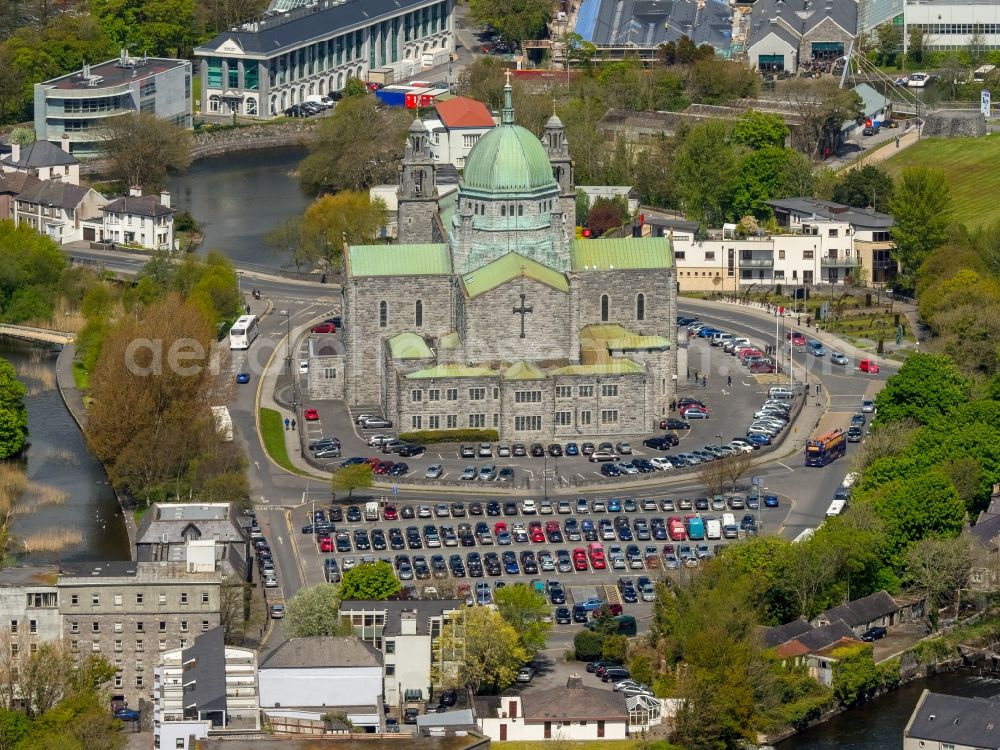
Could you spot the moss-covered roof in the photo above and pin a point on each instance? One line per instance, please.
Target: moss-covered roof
(409, 346)
(512, 266)
(452, 371)
(623, 253)
(616, 366)
(522, 370)
(398, 260)
(450, 341)
(632, 343)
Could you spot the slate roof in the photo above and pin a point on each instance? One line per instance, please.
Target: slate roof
(207, 673)
(650, 23)
(862, 611)
(574, 702)
(965, 722)
(43, 154)
(837, 211)
(462, 112)
(218, 521)
(779, 634)
(797, 18)
(398, 260)
(273, 36)
(322, 651)
(138, 205)
(14, 183)
(55, 193)
(986, 531)
(626, 253)
(826, 635)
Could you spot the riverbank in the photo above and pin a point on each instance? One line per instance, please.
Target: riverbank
(72, 397)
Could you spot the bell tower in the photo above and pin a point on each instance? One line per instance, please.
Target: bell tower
(417, 192)
(557, 149)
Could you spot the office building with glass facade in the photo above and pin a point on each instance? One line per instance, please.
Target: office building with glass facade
(263, 67)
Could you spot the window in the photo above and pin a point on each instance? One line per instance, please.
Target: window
(434, 394)
(74, 627)
(163, 626)
(204, 624)
(477, 420)
(496, 419)
(74, 599)
(522, 424)
(95, 627)
(527, 397)
(390, 646)
(184, 597)
(14, 649)
(95, 645)
(416, 395)
(452, 394)
(118, 645)
(74, 645)
(383, 314)
(609, 416)
(418, 313)
(564, 418)
(640, 307)
(118, 680)
(477, 394)
(834, 232)
(563, 391)
(138, 645)
(585, 391)
(434, 423)
(807, 255)
(138, 599)
(32, 626)
(390, 669)
(609, 390)
(710, 255)
(330, 373)
(204, 597)
(118, 600)
(95, 600)
(13, 626)
(679, 255)
(451, 421)
(119, 627)
(781, 255)
(184, 626)
(604, 308)
(416, 422)
(163, 644)
(162, 599)
(138, 680)
(496, 394)
(139, 626)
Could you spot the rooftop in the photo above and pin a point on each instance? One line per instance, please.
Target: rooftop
(791, 19)
(29, 575)
(398, 260)
(821, 209)
(452, 370)
(574, 701)
(113, 73)
(409, 346)
(322, 651)
(522, 370)
(335, 742)
(512, 266)
(462, 112)
(424, 609)
(138, 205)
(957, 721)
(617, 366)
(650, 23)
(42, 154)
(80, 574)
(55, 193)
(862, 611)
(627, 253)
(175, 523)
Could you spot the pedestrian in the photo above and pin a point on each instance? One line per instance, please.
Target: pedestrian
(704, 382)
(673, 406)
(293, 425)
(248, 309)
(798, 319)
(695, 376)
(897, 141)
(729, 381)
(287, 422)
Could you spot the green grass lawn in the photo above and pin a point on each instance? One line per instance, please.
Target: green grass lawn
(80, 377)
(970, 165)
(272, 430)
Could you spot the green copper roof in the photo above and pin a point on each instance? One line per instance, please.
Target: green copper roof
(450, 341)
(398, 260)
(511, 266)
(452, 371)
(626, 253)
(523, 371)
(612, 367)
(627, 343)
(409, 346)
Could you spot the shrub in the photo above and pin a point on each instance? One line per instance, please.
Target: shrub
(426, 437)
(588, 645)
(615, 648)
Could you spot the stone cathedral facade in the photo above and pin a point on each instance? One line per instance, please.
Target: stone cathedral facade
(489, 313)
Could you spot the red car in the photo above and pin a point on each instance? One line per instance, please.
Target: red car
(390, 513)
(326, 545)
(373, 461)
(597, 561)
(383, 467)
(537, 535)
(579, 559)
(499, 526)
(552, 526)
(310, 415)
(797, 338)
(323, 328)
(868, 365)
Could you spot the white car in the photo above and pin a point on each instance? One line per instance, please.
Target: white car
(378, 439)
(348, 563)
(270, 582)
(304, 367)
(528, 507)
(661, 463)
(741, 447)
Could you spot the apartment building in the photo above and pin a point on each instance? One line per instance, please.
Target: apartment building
(133, 612)
(205, 689)
(29, 608)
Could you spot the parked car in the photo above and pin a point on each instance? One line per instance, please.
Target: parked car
(874, 634)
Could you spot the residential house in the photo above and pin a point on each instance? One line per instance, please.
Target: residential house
(13, 184)
(143, 220)
(179, 532)
(458, 125)
(952, 722)
(61, 210)
(986, 535)
(132, 612)
(405, 632)
(813, 647)
(625, 193)
(304, 679)
(44, 160)
(205, 689)
(789, 35)
(571, 713)
(878, 609)
(29, 608)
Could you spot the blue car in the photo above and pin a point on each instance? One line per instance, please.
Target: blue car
(610, 470)
(770, 501)
(572, 449)
(704, 333)
(243, 378)
(759, 439)
(127, 714)
(614, 505)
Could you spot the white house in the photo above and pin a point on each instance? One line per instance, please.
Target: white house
(62, 211)
(305, 678)
(137, 219)
(204, 689)
(44, 160)
(574, 712)
(952, 722)
(460, 122)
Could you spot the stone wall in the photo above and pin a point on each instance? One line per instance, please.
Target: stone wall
(955, 123)
(623, 289)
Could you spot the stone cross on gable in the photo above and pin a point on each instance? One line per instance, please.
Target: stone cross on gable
(522, 311)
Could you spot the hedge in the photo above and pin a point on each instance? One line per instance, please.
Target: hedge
(426, 437)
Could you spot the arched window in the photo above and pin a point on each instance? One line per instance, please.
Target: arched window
(640, 307)
(520, 209)
(503, 209)
(383, 314)
(604, 308)
(418, 313)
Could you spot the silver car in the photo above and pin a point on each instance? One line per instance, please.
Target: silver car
(434, 471)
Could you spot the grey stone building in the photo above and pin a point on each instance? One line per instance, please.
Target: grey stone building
(132, 612)
(510, 323)
(29, 608)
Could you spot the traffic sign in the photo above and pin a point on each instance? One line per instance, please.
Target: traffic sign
(755, 481)
(395, 490)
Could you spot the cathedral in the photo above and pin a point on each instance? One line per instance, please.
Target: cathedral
(489, 313)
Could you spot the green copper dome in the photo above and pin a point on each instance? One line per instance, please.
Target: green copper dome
(508, 159)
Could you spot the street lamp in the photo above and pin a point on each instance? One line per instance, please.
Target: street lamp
(545, 475)
(288, 336)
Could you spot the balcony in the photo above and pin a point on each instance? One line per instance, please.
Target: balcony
(833, 261)
(756, 262)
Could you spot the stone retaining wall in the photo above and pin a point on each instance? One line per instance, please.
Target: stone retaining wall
(955, 123)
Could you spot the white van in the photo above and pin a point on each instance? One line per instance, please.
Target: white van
(713, 529)
(780, 392)
(371, 511)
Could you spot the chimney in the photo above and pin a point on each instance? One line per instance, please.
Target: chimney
(15, 151)
(65, 143)
(408, 623)
(165, 198)
(575, 682)
(135, 191)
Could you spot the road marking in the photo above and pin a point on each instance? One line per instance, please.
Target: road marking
(256, 465)
(280, 540)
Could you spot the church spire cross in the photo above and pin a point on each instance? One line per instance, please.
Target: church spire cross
(522, 311)
(507, 114)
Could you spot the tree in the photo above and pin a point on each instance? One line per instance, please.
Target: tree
(161, 28)
(712, 476)
(525, 609)
(141, 149)
(855, 677)
(703, 171)
(355, 87)
(715, 81)
(483, 648)
(936, 567)
(587, 645)
(823, 108)
(756, 130)
(768, 173)
(604, 215)
(344, 218)
(344, 156)
(926, 386)
(915, 48)
(350, 478)
(233, 609)
(514, 20)
(13, 413)
(289, 240)
(375, 582)
(313, 611)
(921, 210)
(30, 264)
(809, 569)
(890, 42)
(864, 187)
(735, 467)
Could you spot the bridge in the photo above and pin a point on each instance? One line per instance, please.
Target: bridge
(27, 333)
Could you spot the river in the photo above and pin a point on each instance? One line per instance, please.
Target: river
(58, 458)
(240, 197)
(879, 725)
